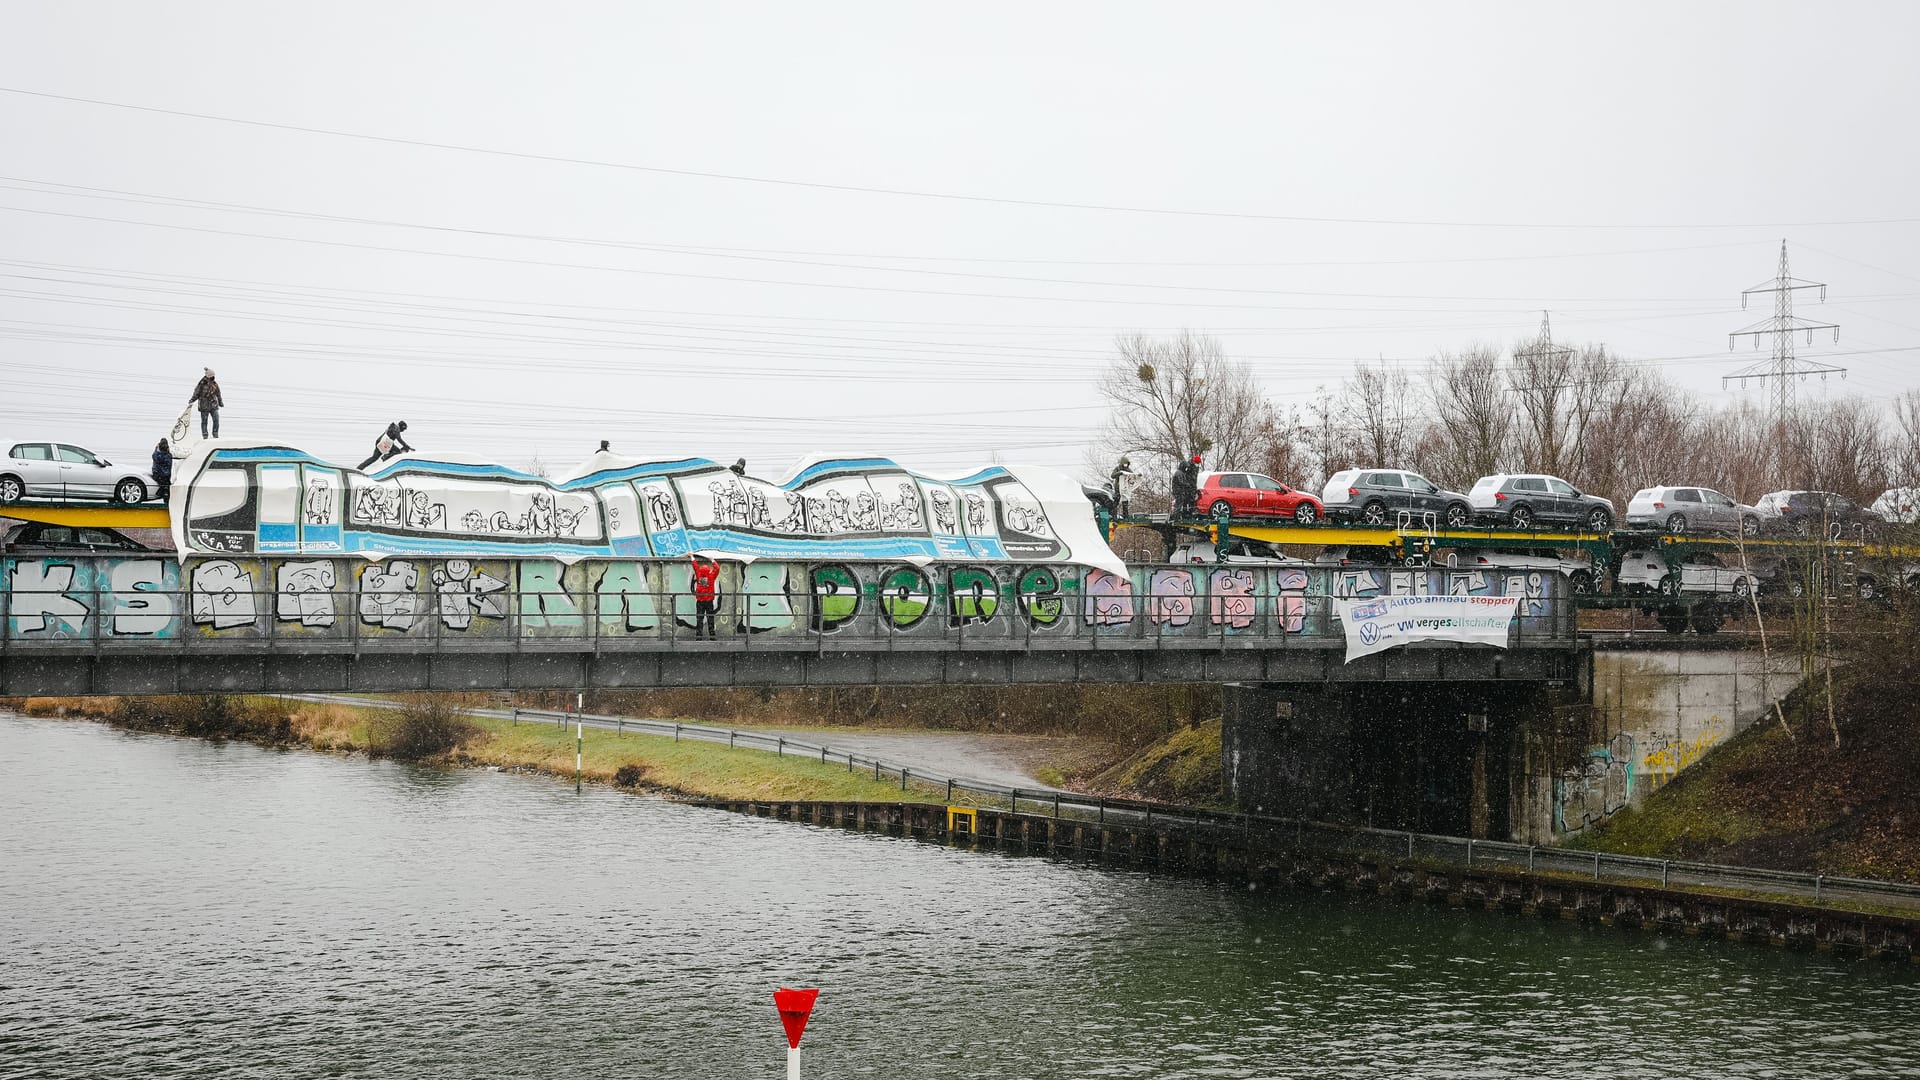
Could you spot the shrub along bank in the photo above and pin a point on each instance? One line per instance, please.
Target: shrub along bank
(428, 729)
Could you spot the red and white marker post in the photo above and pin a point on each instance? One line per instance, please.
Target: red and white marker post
(795, 1006)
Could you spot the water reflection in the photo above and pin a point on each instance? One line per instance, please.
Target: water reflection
(170, 907)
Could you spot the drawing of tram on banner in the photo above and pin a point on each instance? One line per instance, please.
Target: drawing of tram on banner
(258, 499)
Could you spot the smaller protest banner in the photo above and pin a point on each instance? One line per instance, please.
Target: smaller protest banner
(1382, 622)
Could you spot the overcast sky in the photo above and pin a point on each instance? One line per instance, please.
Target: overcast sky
(659, 245)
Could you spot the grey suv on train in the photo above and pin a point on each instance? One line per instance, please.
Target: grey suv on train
(1529, 500)
(1378, 496)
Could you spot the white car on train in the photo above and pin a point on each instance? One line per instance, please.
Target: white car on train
(1643, 570)
(56, 470)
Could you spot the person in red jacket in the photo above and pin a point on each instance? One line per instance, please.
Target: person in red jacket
(706, 596)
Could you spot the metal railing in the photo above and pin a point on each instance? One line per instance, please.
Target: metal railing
(1282, 832)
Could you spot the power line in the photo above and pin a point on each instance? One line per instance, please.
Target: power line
(904, 192)
(58, 188)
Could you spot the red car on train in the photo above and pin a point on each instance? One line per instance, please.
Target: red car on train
(1233, 495)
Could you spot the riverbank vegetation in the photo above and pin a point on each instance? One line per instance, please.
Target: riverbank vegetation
(430, 730)
(1794, 798)
(1182, 768)
(1125, 716)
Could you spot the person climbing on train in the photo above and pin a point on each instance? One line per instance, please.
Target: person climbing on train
(1186, 487)
(206, 396)
(162, 470)
(389, 443)
(1122, 486)
(706, 596)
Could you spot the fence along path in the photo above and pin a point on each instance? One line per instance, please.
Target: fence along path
(1313, 835)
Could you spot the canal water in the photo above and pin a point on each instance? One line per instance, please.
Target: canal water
(170, 907)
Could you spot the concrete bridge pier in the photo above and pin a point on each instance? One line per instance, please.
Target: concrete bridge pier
(1433, 757)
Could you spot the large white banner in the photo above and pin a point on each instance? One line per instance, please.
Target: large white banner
(1382, 622)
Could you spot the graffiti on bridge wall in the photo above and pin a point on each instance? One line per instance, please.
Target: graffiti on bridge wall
(63, 598)
(1667, 754)
(1598, 787)
(340, 598)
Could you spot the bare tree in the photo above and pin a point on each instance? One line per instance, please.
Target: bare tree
(1734, 450)
(1903, 449)
(1380, 403)
(1541, 382)
(1473, 417)
(1177, 396)
(1633, 426)
(1327, 439)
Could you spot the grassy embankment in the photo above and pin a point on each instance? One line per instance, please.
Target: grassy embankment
(1800, 803)
(1182, 768)
(658, 764)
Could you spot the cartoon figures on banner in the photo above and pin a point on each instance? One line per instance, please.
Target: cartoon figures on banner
(943, 517)
(319, 501)
(378, 504)
(1020, 511)
(423, 513)
(660, 506)
(976, 514)
(795, 520)
(903, 514)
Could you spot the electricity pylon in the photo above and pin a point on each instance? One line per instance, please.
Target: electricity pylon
(1784, 368)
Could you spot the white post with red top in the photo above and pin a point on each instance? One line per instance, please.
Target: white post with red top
(795, 1006)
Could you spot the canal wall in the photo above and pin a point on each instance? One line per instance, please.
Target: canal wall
(1267, 854)
(1653, 713)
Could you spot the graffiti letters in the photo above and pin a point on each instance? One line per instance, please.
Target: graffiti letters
(973, 596)
(1040, 598)
(466, 591)
(1597, 788)
(223, 595)
(304, 592)
(544, 603)
(39, 598)
(314, 599)
(1170, 597)
(1109, 599)
(1231, 596)
(387, 597)
(763, 587)
(905, 595)
(836, 597)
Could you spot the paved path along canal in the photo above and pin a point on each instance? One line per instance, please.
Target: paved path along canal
(170, 907)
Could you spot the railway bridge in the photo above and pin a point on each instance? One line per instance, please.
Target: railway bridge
(140, 624)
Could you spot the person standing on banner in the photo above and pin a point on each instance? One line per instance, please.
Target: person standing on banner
(206, 396)
(162, 470)
(706, 596)
(388, 444)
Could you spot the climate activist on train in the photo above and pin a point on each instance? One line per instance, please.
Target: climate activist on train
(239, 498)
